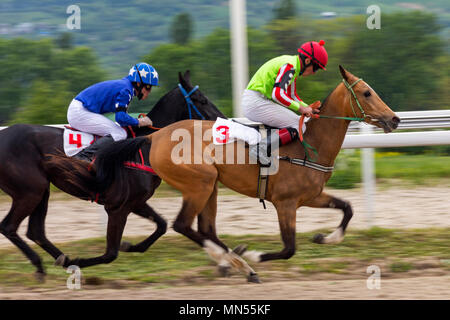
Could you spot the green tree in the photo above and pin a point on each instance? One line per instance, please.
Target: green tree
(181, 29)
(392, 60)
(286, 9)
(64, 40)
(401, 61)
(168, 59)
(46, 104)
(22, 62)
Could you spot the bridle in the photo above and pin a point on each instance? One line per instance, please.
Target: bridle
(189, 102)
(318, 116)
(355, 118)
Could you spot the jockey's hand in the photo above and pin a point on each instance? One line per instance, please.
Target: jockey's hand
(315, 106)
(314, 109)
(307, 111)
(145, 122)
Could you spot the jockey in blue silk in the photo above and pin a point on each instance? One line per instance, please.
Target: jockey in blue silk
(110, 96)
(86, 110)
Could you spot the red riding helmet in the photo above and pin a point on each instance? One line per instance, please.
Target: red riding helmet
(316, 52)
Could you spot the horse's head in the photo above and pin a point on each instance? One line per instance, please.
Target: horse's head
(204, 106)
(365, 103)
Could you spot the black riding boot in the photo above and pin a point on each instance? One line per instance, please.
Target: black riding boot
(88, 153)
(262, 152)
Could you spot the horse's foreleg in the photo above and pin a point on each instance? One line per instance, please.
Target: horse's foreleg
(327, 201)
(161, 227)
(202, 202)
(286, 211)
(116, 225)
(217, 250)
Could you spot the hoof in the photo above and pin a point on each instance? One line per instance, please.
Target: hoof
(253, 278)
(240, 249)
(61, 260)
(39, 276)
(125, 246)
(318, 238)
(224, 271)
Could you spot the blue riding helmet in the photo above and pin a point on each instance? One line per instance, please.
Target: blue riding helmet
(147, 73)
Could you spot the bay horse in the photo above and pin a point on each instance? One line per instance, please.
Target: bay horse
(290, 188)
(26, 171)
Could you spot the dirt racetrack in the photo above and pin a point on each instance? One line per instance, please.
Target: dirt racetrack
(407, 207)
(71, 219)
(434, 287)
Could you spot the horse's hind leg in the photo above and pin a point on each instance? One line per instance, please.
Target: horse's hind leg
(206, 220)
(20, 209)
(327, 201)
(36, 227)
(206, 226)
(161, 227)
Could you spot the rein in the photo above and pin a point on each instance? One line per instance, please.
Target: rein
(151, 127)
(317, 116)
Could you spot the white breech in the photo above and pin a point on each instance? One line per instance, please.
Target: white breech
(256, 107)
(84, 120)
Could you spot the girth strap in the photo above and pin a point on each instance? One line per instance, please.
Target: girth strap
(306, 163)
(263, 177)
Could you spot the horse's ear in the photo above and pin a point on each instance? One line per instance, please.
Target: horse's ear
(187, 76)
(185, 80)
(343, 73)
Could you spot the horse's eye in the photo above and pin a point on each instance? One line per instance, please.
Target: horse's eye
(367, 94)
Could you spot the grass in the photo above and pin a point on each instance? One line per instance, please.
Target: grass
(400, 266)
(415, 168)
(175, 259)
(392, 168)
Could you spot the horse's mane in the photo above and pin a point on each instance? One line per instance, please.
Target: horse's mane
(325, 101)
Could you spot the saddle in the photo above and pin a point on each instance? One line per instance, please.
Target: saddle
(83, 146)
(75, 140)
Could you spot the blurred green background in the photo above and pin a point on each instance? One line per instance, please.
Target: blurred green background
(43, 65)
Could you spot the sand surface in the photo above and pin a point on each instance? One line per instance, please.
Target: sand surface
(408, 207)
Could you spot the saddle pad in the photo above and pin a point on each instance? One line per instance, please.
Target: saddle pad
(226, 131)
(75, 141)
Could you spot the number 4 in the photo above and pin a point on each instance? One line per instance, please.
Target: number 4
(77, 141)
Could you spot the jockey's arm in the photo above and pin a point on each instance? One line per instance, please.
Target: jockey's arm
(284, 91)
(122, 117)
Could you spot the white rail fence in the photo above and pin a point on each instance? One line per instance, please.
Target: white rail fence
(367, 137)
(367, 140)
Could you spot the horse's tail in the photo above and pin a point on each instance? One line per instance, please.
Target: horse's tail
(79, 177)
(109, 160)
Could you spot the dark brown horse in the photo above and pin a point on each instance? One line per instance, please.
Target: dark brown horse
(27, 169)
(291, 187)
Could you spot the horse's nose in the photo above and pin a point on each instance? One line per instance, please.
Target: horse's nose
(395, 122)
